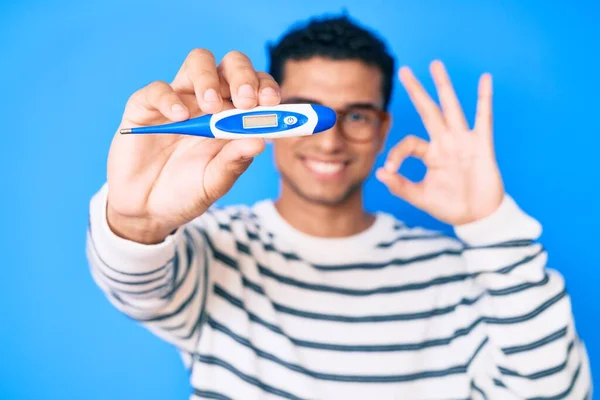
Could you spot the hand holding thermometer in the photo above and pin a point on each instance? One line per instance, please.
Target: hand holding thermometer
(285, 120)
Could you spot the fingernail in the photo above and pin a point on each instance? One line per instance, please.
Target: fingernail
(177, 109)
(389, 166)
(246, 91)
(211, 96)
(268, 91)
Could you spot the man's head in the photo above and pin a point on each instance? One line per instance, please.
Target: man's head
(339, 64)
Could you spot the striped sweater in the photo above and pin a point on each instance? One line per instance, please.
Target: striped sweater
(260, 310)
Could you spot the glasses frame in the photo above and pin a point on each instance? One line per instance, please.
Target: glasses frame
(382, 117)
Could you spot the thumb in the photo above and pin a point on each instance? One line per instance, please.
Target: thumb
(229, 163)
(237, 155)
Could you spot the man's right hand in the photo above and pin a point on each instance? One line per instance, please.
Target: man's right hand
(157, 183)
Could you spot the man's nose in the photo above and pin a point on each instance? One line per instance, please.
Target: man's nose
(331, 140)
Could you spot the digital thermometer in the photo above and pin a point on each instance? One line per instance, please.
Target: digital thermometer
(285, 120)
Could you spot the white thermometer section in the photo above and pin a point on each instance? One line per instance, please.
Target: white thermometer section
(267, 119)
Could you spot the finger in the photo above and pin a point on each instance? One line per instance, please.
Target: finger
(238, 72)
(401, 186)
(483, 117)
(424, 104)
(198, 75)
(451, 108)
(229, 163)
(409, 146)
(225, 90)
(268, 90)
(155, 100)
(238, 151)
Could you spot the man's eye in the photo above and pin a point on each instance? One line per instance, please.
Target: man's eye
(356, 116)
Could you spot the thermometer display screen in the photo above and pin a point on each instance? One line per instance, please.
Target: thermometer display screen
(260, 121)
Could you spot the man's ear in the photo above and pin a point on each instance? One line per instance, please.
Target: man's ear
(384, 131)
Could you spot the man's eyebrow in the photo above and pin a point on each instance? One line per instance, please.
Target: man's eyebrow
(304, 100)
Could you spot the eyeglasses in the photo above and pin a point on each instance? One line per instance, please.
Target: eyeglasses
(357, 123)
(360, 124)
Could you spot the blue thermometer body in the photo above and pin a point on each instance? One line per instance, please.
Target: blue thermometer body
(285, 120)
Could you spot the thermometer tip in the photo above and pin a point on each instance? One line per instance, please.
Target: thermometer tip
(125, 131)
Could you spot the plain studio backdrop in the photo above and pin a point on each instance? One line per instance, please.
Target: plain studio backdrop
(68, 67)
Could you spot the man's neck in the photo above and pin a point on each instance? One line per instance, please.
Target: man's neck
(340, 220)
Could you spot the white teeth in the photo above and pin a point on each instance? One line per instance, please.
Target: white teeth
(325, 167)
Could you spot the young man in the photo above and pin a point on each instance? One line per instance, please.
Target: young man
(309, 296)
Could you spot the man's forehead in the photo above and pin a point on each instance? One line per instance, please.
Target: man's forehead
(331, 82)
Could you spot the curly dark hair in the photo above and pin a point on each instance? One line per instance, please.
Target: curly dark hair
(336, 38)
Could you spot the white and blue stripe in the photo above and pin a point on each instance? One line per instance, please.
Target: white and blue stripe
(262, 312)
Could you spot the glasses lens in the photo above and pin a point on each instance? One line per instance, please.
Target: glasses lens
(360, 124)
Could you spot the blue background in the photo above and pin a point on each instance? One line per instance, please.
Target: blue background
(67, 68)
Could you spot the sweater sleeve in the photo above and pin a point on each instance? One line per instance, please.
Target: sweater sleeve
(534, 350)
(162, 286)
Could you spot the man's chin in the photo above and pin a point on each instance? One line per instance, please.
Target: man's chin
(330, 198)
(329, 201)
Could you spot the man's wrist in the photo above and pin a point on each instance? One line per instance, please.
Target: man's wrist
(508, 222)
(137, 230)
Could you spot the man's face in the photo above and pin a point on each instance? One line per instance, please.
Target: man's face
(327, 168)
